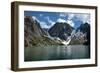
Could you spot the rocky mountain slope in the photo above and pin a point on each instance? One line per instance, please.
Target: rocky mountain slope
(34, 34)
(82, 35)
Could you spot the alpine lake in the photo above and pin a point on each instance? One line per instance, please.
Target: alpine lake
(56, 52)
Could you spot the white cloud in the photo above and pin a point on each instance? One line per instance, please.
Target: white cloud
(62, 14)
(70, 16)
(71, 23)
(44, 24)
(61, 20)
(83, 17)
(50, 21)
(69, 19)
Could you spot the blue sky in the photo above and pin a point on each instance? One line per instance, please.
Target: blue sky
(48, 19)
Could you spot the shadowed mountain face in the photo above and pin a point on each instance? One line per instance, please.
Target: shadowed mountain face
(82, 35)
(61, 30)
(34, 34)
(85, 29)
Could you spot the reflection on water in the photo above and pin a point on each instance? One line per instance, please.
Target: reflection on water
(56, 52)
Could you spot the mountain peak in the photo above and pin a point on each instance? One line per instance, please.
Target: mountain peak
(61, 30)
(70, 22)
(34, 18)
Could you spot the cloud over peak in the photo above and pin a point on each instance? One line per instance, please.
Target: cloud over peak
(43, 24)
(50, 21)
(70, 22)
(61, 20)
